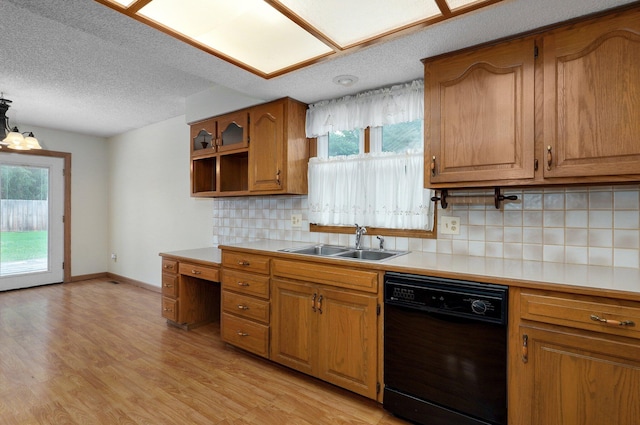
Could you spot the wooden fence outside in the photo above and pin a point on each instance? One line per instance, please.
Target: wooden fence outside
(23, 216)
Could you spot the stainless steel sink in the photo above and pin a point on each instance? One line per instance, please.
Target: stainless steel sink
(345, 252)
(364, 254)
(324, 250)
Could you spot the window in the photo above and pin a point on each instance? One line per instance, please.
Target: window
(403, 136)
(369, 168)
(344, 142)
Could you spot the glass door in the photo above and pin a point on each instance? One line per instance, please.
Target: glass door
(31, 220)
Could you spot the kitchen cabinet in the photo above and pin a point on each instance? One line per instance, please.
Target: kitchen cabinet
(574, 359)
(556, 107)
(246, 292)
(190, 297)
(260, 150)
(592, 98)
(479, 115)
(322, 328)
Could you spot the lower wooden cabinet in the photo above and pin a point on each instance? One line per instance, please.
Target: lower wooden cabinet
(245, 302)
(328, 332)
(190, 297)
(573, 362)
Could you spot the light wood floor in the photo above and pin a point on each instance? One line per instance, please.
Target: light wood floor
(95, 352)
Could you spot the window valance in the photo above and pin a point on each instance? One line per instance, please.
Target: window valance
(374, 108)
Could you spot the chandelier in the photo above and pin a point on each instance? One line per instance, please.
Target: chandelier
(12, 137)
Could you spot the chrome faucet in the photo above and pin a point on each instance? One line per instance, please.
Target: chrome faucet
(360, 230)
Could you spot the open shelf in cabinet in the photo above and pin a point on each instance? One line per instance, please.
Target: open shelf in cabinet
(203, 176)
(234, 172)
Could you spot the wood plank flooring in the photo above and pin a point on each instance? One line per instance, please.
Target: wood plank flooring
(95, 352)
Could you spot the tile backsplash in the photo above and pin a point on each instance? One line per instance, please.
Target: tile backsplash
(579, 225)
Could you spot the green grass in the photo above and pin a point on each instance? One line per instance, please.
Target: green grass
(20, 246)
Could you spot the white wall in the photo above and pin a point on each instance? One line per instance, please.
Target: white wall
(89, 208)
(150, 209)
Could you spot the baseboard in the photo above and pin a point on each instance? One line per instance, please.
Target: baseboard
(88, 277)
(122, 279)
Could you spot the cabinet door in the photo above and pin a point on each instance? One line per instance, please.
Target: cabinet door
(479, 115)
(293, 324)
(232, 131)
(348, 340)
(266, 150)
(571, 379)
(592, 98)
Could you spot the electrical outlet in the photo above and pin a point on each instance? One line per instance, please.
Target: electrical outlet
(114, 257)
(296, 220)
(449, 225)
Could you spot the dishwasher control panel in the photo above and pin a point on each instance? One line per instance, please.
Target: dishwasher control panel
(479, 301)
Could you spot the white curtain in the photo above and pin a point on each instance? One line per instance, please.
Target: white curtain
(374, 108)
(378, 190)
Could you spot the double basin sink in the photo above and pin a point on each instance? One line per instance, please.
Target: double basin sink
(334, 251)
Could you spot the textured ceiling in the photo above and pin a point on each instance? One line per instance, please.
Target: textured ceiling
(79, 66)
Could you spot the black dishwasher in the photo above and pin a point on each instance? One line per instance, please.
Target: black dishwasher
(445, 350)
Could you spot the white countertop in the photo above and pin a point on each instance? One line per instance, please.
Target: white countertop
(616, 281)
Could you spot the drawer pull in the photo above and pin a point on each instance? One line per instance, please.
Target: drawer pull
(243, 307)
(596, 318)
(194, 271)
(168, 285)
(244, 263)
(240, 333)
(168, 267)
(243, 284)
(167, 309)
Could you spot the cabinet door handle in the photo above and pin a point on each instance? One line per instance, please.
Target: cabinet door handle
(168, 309)
(525, 348)
(168, 285)
(243, 284)
(320, 304)
(243, 307)
(194, 271)
(433, 166)
(244, 263)
(313, 302)
(240, 333)
(278, 177)
(168, 267)
(549, 157)
(597, 318)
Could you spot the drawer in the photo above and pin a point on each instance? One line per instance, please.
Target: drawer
(248, 262)
(170, 285)
(247, 283)
(245, 334)
(248, 307)
(201, 272)
(603, 315)
(170, 308)
(343, 277)
(169, 266)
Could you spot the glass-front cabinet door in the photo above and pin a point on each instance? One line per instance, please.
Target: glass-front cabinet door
(233, 131)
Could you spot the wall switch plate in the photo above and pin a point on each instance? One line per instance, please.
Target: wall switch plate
(296, 220)
(449, 225)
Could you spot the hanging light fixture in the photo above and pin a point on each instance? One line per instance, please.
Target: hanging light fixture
(12, 137)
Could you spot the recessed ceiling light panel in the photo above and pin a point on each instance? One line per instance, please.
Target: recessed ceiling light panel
(249, 31)
(350, 22)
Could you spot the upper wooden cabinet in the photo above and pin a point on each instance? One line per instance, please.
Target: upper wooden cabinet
(592, 98)
(256, 151)
(556, 107)
(279, 151)
(479, 115)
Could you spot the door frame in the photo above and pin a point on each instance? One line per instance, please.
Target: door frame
(67, 202)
